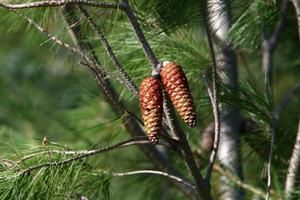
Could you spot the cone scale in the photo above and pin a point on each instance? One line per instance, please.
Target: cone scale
(151, 103)
(176, 85)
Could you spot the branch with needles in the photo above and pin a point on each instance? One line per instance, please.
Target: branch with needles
(84, 154)
(88, 62)
(130, 84)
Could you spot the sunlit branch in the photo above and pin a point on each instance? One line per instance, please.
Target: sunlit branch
(87, 153)
(178, 179)
(57, 3)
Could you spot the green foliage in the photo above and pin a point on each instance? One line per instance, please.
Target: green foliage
(259, 17)
(71, 181)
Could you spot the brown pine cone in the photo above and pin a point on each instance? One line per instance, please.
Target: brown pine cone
(176, 85)
(151, 102)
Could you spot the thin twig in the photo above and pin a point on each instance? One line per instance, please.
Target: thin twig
(129, 83)
(112, 98)
(54, 38)
(268, 46)
(186, 152)
(57, 3)
(178, 179)
(88, 153)
(293, 167)
(213, 155)
(214, 94)
(269, 166)
(139, 33)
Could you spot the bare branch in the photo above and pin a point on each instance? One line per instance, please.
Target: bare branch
(88, 153)
(178, 179)
(213, 155)
(269, 166)
(129, 83)
(293, 167)
(57, 3)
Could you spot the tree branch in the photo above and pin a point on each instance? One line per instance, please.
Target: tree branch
(139, 34)
(129, 83)
(268, 46)
(178, 179)
(293, 167)
(213, 94)
(186, 152)
(85, 154)
(213, 155)
(57, 3)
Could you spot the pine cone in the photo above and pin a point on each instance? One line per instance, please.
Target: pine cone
(176, 85)
(151, 102)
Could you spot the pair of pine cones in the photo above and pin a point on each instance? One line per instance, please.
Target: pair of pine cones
(151, 98)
